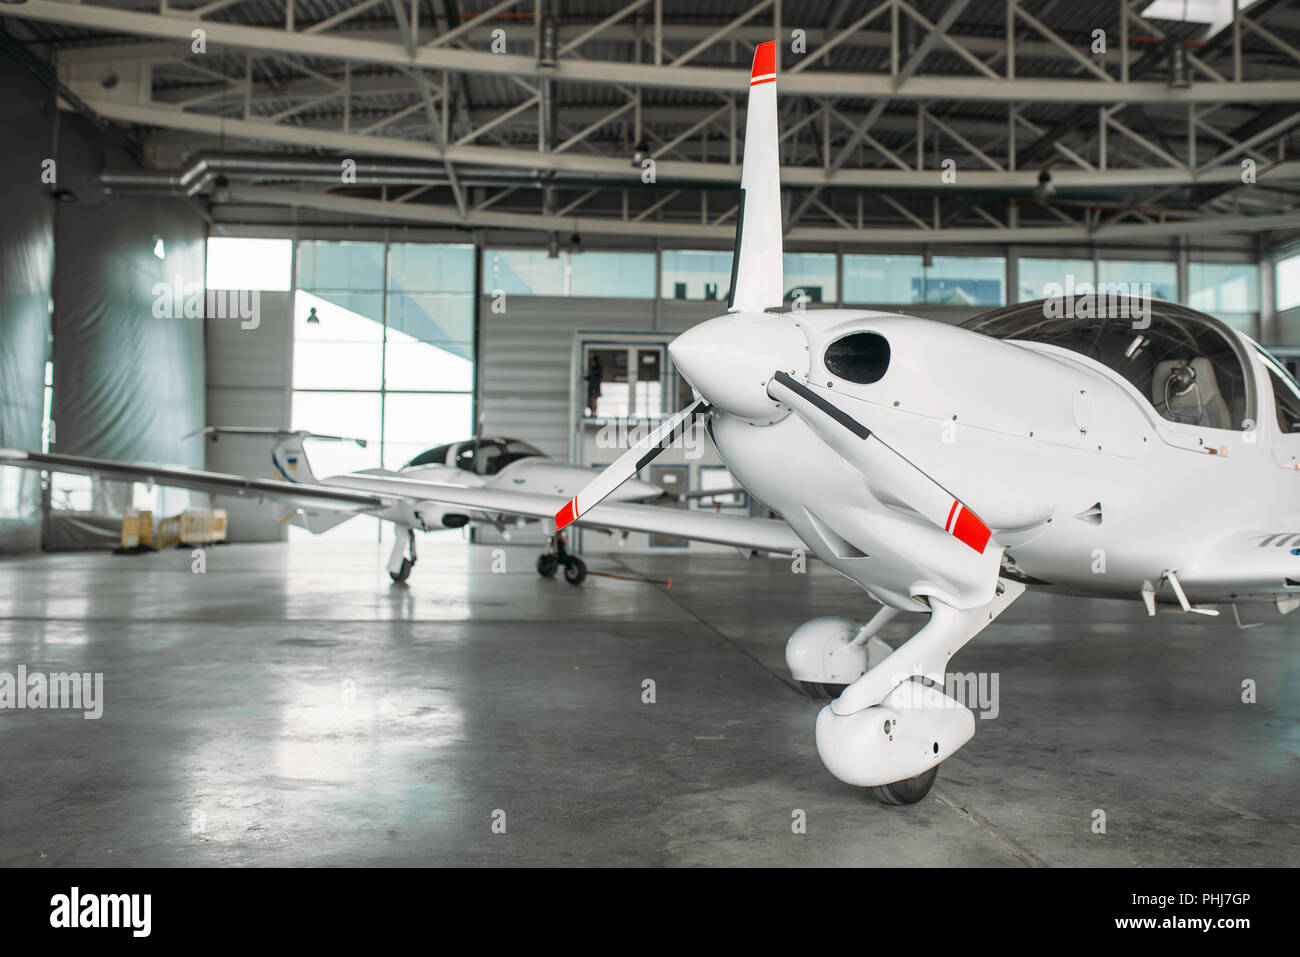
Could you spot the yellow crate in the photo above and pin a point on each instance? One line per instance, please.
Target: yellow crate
(137, 529)
(169, 531)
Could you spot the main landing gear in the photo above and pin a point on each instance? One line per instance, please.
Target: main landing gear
(549, 562)
(402, 559)
(893, 723)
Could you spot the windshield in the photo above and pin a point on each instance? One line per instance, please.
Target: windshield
(1286, 393)
(1188, 365)
(435, 456)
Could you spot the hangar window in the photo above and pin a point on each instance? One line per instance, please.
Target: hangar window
(966, 280)
(1227, 291)
(383, 351)
(262, 264)
(696, 274)
(813, 273)
(1288, 282)
(1135, 274)
(1043, 278)
(890, 280)
(534, 272)
(909, 280)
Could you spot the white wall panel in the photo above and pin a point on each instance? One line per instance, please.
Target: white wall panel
(249, 373)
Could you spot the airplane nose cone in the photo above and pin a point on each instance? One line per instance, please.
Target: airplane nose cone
(729, 361)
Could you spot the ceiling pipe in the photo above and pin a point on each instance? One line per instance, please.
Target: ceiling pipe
(206, 169)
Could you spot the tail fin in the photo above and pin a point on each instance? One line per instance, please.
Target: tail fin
(757, 282)
(288, 458)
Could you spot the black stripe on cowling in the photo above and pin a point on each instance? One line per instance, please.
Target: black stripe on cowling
(698, 408)
(735, 252)
(839, 415)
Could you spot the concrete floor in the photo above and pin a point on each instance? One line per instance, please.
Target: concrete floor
(227, 737)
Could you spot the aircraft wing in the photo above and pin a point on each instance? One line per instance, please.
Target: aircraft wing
(1254, 564)
(216, 483)
(760, 534)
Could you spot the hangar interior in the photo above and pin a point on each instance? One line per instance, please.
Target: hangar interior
(416, 222)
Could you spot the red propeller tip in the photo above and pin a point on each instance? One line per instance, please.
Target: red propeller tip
(567, 515)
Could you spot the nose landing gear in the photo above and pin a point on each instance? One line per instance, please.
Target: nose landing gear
(549, 562)
(399, 564)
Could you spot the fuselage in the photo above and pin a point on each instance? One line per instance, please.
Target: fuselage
(493, 463)
(1090, 489)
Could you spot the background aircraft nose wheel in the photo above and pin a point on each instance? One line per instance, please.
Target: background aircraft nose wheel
(547, 564)
(907, 791)
(405, 573)
(408, 561)
(822, 689)
(575, 570)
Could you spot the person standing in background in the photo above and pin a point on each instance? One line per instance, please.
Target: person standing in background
(594, 376)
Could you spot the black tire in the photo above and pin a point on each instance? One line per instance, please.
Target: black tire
(405, 573)
(575, 570)
(547, 565)
(908, 791)
(822, 690)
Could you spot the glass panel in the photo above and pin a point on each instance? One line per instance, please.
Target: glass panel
(1035, 275)
(714, 477)
(649, 382)
(71, 493)
(814, 273)
(692, 274)
(334, 267)
(249, 263)
(352, 414)
(1163, 277)
(619, 275)
(886, 280)
(428, 267)
(966, 280)
(606, 378)
(523, 272)
(1219, 288)
(341, 349)
(1288, 282)
(413, 423)
(1184, 363)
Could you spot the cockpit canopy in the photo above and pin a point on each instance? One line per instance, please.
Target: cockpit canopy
(1191, 367)
(480, 456)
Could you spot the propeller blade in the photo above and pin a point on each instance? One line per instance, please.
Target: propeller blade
(857, 444)
(628, 464)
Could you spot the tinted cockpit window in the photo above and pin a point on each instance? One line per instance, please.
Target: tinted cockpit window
(862, 357)
(508, 451)
(1286, 395)
(1188, 365)
(436, 456)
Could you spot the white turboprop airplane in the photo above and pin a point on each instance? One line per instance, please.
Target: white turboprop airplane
(490, 462)
(1129, 449)
(1113, 449)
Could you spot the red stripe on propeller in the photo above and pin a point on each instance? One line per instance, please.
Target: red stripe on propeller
(969, 529)
(567, 515)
